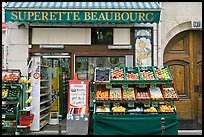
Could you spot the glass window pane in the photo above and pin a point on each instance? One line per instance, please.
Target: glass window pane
(85, 66)
(102, 36)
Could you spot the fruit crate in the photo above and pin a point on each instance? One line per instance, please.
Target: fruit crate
(132, 73)
(173, 111)
(102, 75)
(128, 94)
(155, 93)
(25, 119)
(169, 93)
(162, 73)
(117, 74)
(147, 74)
(142, 94)
(102, 94)
(13, 93)
(11, 75)
(115, 94)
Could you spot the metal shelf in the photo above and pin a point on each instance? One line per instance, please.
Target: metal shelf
(45, 108)
(45, 94)
(44, 116)
(44, 102)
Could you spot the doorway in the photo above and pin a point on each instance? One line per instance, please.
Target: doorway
(183, 55)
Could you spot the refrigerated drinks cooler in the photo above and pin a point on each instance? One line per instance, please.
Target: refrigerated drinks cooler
(77, 116)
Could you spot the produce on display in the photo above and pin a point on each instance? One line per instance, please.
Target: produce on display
(102, 75)
(102, 95)
(132, 74)
(4, 93)
(102, 109)
(142, 94)
(118, 109)
(13, 93)
(155, 93)
(10, 77)
(151, 109)
(162, 73)
(166, 108)
(137, 109)
(169, 93)
(147, 74)
(129, 94)
(117, 74)
(115, 94)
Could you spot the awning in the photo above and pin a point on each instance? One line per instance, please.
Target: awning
(83, 12)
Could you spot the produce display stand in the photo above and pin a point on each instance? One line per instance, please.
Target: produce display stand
(77, 116)
(133, 101)
(13, 99)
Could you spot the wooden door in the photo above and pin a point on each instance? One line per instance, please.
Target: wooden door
(183, 55)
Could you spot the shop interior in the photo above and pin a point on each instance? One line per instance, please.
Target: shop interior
(61, 73)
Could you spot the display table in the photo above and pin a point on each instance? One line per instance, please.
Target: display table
(137, 124)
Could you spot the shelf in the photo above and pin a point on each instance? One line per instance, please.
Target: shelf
(23, 126)
(45, 87)
(44, 66)
(27, 108)
(10, 114)
(44, 116)
(45, 108)
(44, 80)
(44, 102)
(45, 94)
(44, 125)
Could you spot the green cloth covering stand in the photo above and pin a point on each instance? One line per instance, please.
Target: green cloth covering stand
(136, 124)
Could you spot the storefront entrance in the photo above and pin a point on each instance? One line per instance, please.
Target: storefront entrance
(183, 55)
(61, 73)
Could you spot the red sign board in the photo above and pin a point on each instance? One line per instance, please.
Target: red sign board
(3, 25)
(78, 97)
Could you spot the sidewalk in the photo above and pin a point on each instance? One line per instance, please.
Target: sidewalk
(180, 132)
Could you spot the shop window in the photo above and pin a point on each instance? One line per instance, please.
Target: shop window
(85, 66)
(102, 36)
(143, 47)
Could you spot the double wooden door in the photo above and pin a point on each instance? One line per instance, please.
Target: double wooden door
(183, 55)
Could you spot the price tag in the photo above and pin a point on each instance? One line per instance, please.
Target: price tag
(153, 86)
(131, 104)
(106, 104)
(170, 103)
(142, 85)
(147, 104)
(125, 86)
(155, 104)
(109, 86)
(117, 104)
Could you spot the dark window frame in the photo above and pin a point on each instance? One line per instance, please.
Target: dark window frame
(101, 31)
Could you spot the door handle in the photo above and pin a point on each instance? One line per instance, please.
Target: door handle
(196, 88)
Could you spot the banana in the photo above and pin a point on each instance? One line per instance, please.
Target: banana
(29, 89)
(30, 80)
(29, 100)
(4, 92)
(23, 80)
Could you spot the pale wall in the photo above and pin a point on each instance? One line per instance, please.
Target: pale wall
(176, 17)
(17, 42)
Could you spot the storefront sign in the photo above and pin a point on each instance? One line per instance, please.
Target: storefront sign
(83, 16)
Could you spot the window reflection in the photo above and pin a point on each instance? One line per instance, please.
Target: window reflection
(85, 66)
